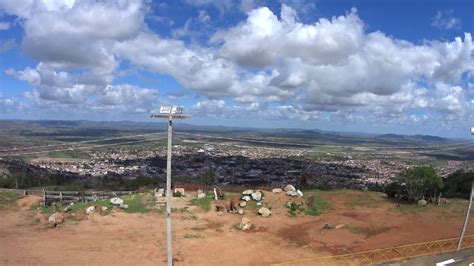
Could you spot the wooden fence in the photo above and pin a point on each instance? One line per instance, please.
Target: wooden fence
(67, 196)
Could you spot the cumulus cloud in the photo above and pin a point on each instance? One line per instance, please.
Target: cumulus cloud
(275, 65)
(444, 19)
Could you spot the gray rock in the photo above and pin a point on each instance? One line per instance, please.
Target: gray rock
(243, 204)
(55, 219)
(290, 188)
(265, 212)
(116, 201)
(245, 224)
(90, 210)
(292, 193)
(124, 206)
(299, 193)
(422, 202)
(257, 196)
(104, 208)
(277, 190)
(247, 192)
(246, 198)
(241, 211)
(201, 195)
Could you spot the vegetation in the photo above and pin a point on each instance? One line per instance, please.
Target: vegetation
(7, 198)
(317, 206)
(208, 178)
(204, 203)
(416, 183)
(458, 184)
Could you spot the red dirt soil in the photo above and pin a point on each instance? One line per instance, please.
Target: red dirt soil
(204, 238)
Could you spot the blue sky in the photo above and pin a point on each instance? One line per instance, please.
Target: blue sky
(369, 66)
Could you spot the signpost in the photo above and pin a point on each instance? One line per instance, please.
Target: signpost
(169, 113)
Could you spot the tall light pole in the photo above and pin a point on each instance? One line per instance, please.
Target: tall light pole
(169, 113)
(468, 211)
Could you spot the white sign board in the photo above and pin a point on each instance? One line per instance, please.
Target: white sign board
(169, 109)
(472, 130)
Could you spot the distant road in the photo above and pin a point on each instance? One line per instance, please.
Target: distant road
(464, 257)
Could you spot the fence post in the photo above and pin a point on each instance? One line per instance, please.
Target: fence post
(44, 197)
(60, 196)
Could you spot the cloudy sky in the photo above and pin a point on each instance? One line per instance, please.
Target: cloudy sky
(367, 66)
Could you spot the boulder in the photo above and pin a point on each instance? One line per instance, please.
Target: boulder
(160, 192)
(265, 212)
(247, 192)
(246, 198)
(90, 210)
(124, 206)
(181, 191)
(116, 201)
(201, 195)
(299, 193)
(68, 207)
(241, 211)
(290, 188)
(259, 204)
(243, 204)
(245, 224)
(55, 219)
(328, 226)
(277, 190)
(292, 193)
(257, 196)
(422, 202)
(104, 208)
(340, 226)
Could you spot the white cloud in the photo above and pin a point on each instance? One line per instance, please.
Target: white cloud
(444, 19)
(271, 64)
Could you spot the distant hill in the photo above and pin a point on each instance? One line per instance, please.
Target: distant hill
(80, 127)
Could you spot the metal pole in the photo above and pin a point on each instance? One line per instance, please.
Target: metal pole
(466, 219)
(169, 235)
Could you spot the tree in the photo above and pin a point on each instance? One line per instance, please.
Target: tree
(421, 181)
(208, 178)
(458, 184)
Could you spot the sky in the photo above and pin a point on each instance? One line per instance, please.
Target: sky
(374, 66)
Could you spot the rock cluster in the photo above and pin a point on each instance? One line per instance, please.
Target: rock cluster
(293, 192)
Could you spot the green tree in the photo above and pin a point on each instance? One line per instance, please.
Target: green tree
(421, 181)
(208, 178)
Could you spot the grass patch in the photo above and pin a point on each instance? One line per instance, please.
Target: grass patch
(68, 155)
(7, 198)
(368, 231)
(355, 229)
(364, 200)
(204, 203)
(317, 207)
(137, 203)
(191, 236)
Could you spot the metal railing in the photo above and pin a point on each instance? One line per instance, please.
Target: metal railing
(389, 254)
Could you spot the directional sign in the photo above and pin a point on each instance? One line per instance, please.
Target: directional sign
(169, 109)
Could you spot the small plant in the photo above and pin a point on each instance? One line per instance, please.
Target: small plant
(177, 194)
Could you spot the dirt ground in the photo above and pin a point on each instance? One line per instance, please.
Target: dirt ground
(204, 238)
